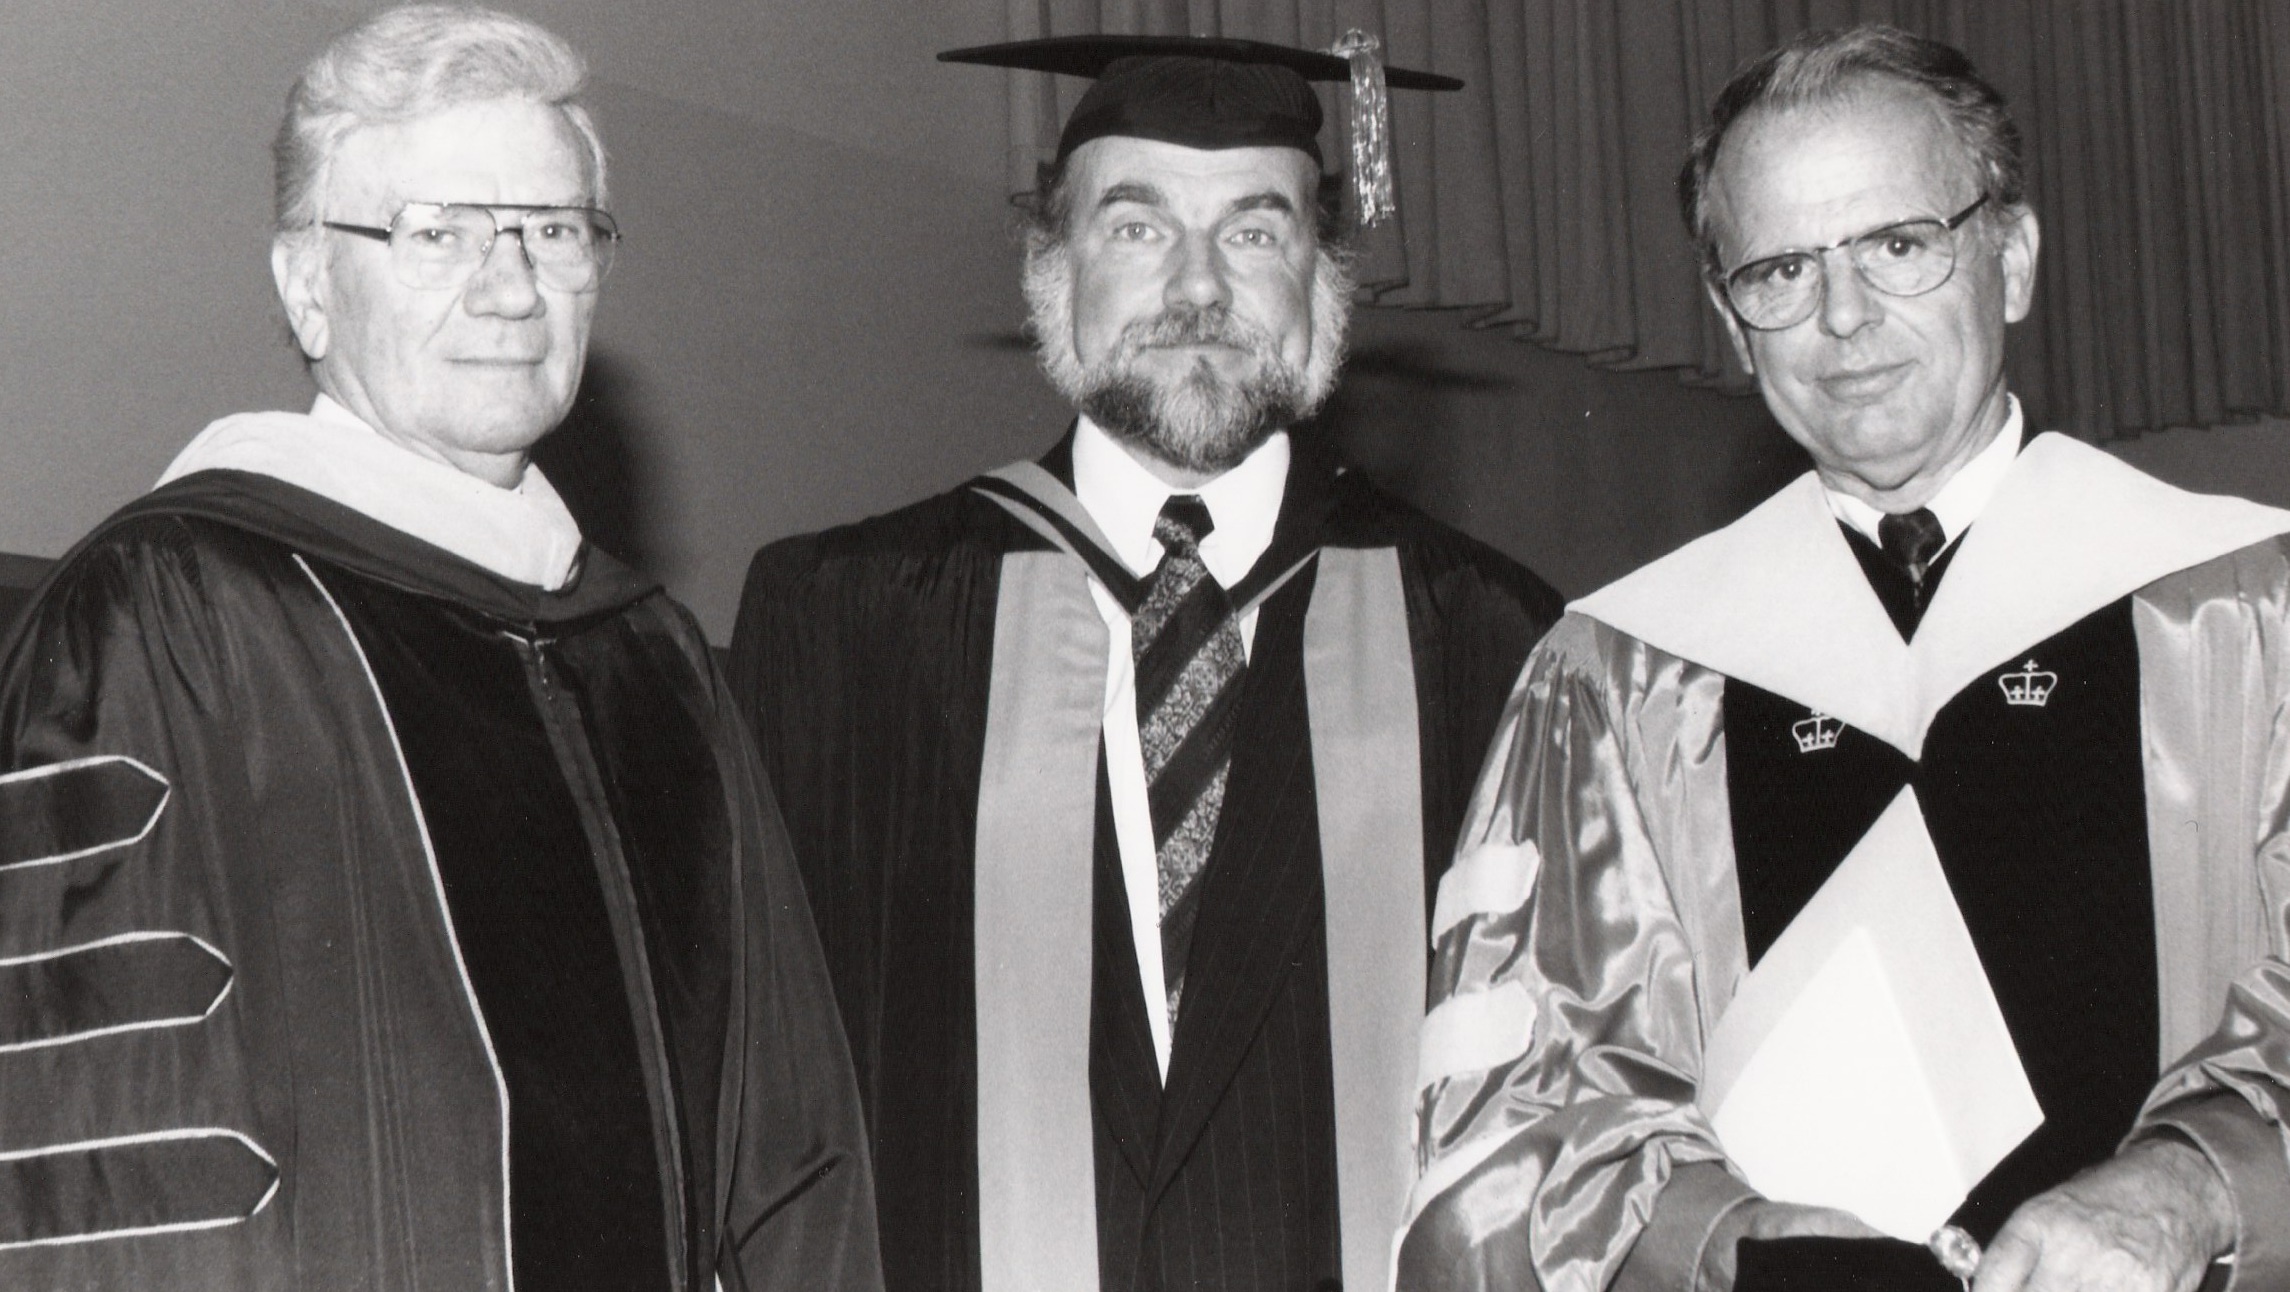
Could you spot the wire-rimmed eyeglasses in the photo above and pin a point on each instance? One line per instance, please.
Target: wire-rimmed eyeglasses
(438, 245)
(1905, 259)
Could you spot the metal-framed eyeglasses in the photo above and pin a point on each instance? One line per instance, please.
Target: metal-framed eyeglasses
(1905, 259)
(440, 245)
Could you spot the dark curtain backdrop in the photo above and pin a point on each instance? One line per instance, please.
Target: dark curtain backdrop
(1542, 197)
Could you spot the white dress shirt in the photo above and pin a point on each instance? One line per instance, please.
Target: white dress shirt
(1125, 499)
(1960, 501)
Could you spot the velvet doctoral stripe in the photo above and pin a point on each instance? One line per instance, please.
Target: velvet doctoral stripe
(654, 766)
(117, 984)
(2038, 814)
(1796, 814)
(528, 903)
(132, 1186)
(49, 815)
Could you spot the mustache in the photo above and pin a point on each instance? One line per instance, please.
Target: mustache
(1181, 325)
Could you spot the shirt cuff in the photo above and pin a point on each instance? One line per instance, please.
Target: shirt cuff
(1668, 1253)
(2247, 1151)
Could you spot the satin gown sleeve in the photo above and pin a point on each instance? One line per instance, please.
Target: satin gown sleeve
(2214, 650)
(1563, 1044)
(1598, 937)
(145, 1122)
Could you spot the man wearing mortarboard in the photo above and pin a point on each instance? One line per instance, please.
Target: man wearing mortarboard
(1962, 668)
(1119, 778)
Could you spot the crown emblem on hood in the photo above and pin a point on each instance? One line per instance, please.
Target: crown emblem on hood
(2030, 686)
(1816, 732)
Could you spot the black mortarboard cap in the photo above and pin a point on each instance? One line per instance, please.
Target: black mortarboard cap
(1214, 92)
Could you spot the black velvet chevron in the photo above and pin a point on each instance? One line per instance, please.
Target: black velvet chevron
(133, 1185)
(59, 812)
(109, 987)
(2039, 817)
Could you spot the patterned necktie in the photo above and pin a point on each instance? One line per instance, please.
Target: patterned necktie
(1189, 666)
(1912, 540)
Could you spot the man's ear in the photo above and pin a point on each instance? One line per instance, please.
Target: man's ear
(2019, 241)
(298, 266)
(1732, 326)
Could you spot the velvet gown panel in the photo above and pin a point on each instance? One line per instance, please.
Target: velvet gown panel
(363, 743)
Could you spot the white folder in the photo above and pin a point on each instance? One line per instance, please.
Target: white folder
(1864, 1064)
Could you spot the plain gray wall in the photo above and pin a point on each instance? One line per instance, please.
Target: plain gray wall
(815, 317)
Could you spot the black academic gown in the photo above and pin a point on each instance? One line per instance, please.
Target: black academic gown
(863, 656)
(370, 921)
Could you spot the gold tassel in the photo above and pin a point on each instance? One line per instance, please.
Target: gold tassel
(1370, 127)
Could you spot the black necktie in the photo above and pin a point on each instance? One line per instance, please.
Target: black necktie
(1911, 540)
(1189, 667)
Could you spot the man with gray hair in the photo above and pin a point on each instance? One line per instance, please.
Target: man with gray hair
(1886, 891)
(391, 896)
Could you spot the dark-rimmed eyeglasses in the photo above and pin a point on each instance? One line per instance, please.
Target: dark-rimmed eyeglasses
(439, 245)
(1905, 259)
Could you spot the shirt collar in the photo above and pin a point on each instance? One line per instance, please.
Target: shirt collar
(1961, 500)
(1124, 499)
(523, 534)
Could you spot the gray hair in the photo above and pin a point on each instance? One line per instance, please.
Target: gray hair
(409, 62)
(1825, 66)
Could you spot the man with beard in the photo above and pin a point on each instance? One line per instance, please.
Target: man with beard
(1119, 777)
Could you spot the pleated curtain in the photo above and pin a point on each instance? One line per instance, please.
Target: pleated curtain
(1542, 198)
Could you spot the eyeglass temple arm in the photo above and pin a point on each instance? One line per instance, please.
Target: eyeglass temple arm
(383, 235)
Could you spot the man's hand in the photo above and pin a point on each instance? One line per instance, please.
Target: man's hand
(1762, 1218)
(2150, 1219)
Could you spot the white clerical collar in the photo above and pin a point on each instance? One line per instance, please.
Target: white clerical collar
(522, 534)
(1961, 500)
(1125, 499)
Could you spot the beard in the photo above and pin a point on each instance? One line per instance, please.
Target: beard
(1197, 420)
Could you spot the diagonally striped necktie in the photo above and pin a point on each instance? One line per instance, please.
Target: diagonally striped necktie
(1189, 667)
